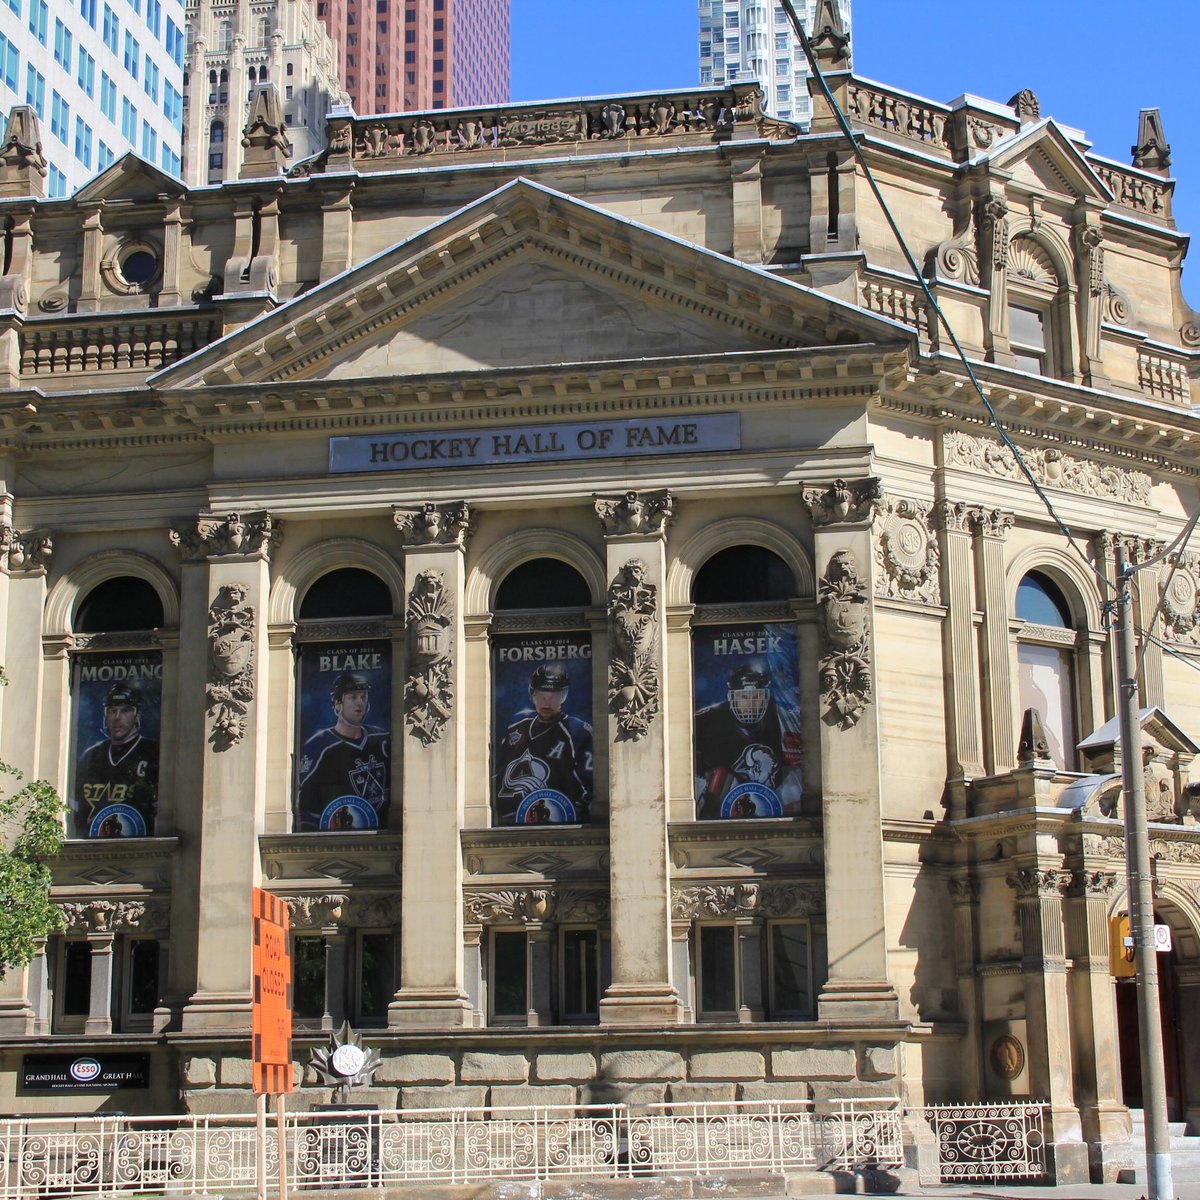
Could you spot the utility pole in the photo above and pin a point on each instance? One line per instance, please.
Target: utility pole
(1141, 898)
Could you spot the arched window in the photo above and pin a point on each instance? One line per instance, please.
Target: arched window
(542, 765)
(117, 710)
(1037, 310)
(746, 687)
(264, 31)
(1045, 658)
(343, 703)
(224, 36)
(216, 133)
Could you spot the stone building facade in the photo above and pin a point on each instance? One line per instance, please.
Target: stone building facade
(629, 408)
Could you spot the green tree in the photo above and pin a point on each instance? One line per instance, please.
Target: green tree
(30, 833)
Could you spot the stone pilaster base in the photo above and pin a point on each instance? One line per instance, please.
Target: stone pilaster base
(217, 1010)
(640, 1004)
(859, 1000)
(431, 1008)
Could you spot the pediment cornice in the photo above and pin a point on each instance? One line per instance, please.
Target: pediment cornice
(1048, 143)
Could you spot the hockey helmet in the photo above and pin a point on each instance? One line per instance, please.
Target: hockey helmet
(549, 677)
(749, 693)
(121, 694)
(349, 683)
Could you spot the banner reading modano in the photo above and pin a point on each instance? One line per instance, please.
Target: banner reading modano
(535, 443)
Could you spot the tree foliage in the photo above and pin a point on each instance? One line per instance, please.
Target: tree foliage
(30, 833)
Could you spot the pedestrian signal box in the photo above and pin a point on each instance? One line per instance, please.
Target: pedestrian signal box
(1120, 947)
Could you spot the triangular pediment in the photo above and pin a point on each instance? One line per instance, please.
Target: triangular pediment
(527, 277)
(1044, 157)
(131, 178)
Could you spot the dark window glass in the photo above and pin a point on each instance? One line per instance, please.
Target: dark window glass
(789, 971)
(543, 583)
(308, 977)
(742, 575)
(347, 592)
(718, 973)
(143, 976)
(580, 967)
(77, 979)
(376, 986)
(509, 975)
(139, 267)
(1041, 603)
(119, 605)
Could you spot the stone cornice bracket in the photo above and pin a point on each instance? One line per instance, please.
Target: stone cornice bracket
(1037, 883)
(1089, 245)
(992, 226)
(28, 552)
(991, 522)
(249, 535)
(633, 676)
(230, 687)
(635, 514)
(313, 912)
(435, 524)
(429, 688)
(845, 678)
(842, 502)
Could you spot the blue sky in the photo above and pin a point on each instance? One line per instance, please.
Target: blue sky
(1092, 66)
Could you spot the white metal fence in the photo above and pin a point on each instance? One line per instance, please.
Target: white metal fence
(989, 1141)
(119, 1156)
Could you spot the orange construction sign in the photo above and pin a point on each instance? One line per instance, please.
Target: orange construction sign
(271, 1020)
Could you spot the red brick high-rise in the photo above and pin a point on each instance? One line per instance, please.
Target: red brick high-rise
(418, 54)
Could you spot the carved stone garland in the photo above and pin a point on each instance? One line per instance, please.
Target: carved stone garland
(251, 534)
(429, 690)
(434, 524)
(906, 550)
(690, 902)
(633, 684)
(113, 916)
(28, 551)
(230, 689)
(843, 501)
(845, 668)
(635, 512)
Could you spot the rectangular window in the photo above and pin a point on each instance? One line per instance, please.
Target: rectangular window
(58, 182)
(87, 73)
(83, 142)
(104, 156)
(781, 41)
(509, 982)
(62, 44)
(376, 977)
(308, 978)
(149, 142)
(73, 977)
(790, 971)
(175, 42)
(35, 91)
(140, 984)
(716, 972)
(10, 63)
(150, 82)
(108, 97)
(128, 120)
(731, 20)
(154, 16)
(580, 976)
(38, 11)
(87, 10)
(131, 55)
(1027, 337)
(136, 5)
(172, 104)
(60, 116)
(15, 5)
(112, 29)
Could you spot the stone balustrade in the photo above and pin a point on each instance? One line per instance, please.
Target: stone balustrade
(54, 347)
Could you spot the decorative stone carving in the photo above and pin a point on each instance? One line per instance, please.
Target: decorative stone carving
(28, 551)
(1089, 241)
(580, 904)
(1033, 747)
(842, 502)
(230, 689)
(429, 690)
(113, 916)
(641, 513)
(253, 535)
(521, 905)
(991, 522)
(264, 138)
(829, 38)
(1095, 883)
(906, 551)
(1159, 786)
(791, 899)
(434, 524)
(845, 667)
(311, 912)
(992, 226)
(612, 121)
(1116, 305)
(1152, 153)
(954, 516)
(1050, 466)
(1175, 851)
(957, 258)
(963, 891)
(1036, 883)
(714, 900)
(1026, 105)
(1104, 845)
(1181, 597)
(22, 164)
(633, 683)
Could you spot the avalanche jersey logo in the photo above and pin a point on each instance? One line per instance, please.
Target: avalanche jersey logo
(525, 775)
(367, 779)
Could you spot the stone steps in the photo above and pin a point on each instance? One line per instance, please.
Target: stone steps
(1184, 1149)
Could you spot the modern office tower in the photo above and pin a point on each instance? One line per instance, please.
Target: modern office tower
(421, 54)
(103, 76)
(742, 40)
(231, 48)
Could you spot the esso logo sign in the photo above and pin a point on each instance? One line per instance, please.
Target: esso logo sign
(84, 1070)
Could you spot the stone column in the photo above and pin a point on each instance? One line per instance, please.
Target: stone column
(964, 894)
(749, 931)
(1088, 238)
(24, 558)
(93, 245)
(337, 229)
(234, 759)
(169, 293)
(641, 991)
(858, 987)
(338, 956)
(431, 945)
(681, 968)
(964, 746)
(99, 1018)
(746, 176)
(1150, 655)
(991, 219)
(540, 937)
(473, 971)
(38, 976)
(1039, 890)
(991, 527)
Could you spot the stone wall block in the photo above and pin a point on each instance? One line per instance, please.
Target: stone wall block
(878, 1062)
(414, 1099)
(219, 1102)
(833, 1062)
(565, 1068)
(702, 1093)
(776, 1093)
(494, 1068)
(235, 1072)
(633, 1094)
(531, 1096)
(199, 1072)
(622, 1065)
(727, 1064)
(416, 1068)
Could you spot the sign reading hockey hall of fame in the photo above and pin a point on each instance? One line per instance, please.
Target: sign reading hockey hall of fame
(542, 741)
(343, 736)
(747, 706)
(118, 708)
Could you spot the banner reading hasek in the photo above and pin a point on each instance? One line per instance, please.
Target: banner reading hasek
(747, 706)
(343, 734)
(118, 710)
(542, 741)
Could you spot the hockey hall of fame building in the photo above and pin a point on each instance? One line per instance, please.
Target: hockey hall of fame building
(553, 550)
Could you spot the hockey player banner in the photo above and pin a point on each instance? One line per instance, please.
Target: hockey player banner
(118, 710)
(343, 728)
(542, 743)
(747, 728)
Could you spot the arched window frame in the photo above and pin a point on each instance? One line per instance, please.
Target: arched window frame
(1040, 282)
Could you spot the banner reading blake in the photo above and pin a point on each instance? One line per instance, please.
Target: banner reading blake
(118, 707)
(542, 746)
(747, 704)
(343, 753)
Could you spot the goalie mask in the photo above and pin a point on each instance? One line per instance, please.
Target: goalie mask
(749, 693)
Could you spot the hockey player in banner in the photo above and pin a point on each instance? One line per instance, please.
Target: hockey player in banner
(544, 762)
(343, 770)
(741, 758)
(116, 782)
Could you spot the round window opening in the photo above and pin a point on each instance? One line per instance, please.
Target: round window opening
(139, 267)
